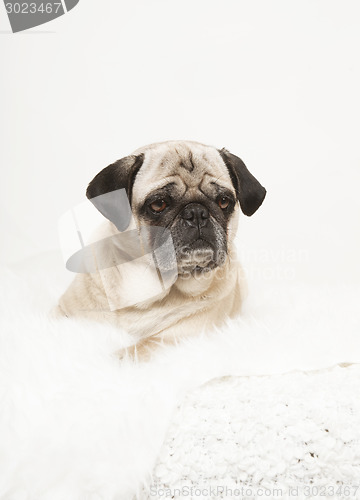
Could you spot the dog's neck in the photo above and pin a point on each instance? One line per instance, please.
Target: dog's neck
(193, 285)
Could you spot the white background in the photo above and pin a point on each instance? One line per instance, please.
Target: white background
(275, 82)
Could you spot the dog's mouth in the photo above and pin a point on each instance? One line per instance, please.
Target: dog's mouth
(199, 256)
(191, 268)
(198, 249)
(200, 246)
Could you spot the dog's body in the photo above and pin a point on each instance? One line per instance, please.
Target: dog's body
(191, 191)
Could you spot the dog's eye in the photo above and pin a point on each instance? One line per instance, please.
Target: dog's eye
(158, 205)
(223, 202)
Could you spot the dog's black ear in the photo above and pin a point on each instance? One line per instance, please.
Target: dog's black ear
(250, 192)
(110, 190)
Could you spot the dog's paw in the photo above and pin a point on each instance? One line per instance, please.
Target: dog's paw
(56, 313)
(142, 351)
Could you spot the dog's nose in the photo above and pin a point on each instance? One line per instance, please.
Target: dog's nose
(196, 215)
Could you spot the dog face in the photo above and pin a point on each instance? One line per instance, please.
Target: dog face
(187, 188)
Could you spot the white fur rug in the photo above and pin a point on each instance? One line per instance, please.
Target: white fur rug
(75, 423)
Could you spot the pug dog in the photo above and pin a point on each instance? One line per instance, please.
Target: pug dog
(193, 193)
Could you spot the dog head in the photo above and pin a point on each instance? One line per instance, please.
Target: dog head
(189, 189)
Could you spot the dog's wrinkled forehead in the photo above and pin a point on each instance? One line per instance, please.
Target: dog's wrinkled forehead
(190, 167)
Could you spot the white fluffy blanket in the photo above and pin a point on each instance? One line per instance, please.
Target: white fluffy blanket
(76, 423)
